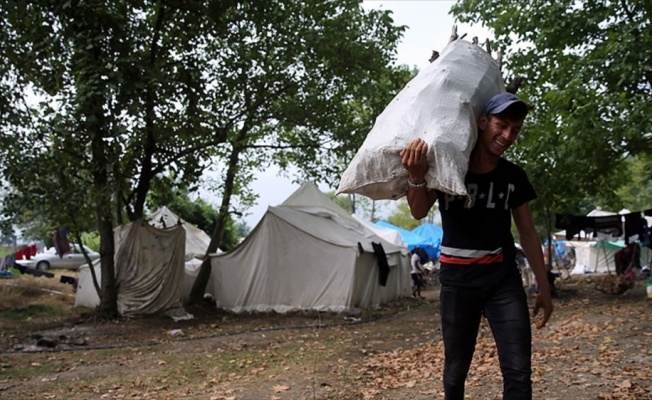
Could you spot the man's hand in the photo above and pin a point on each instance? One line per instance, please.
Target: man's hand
(413, 158)
(543, 302)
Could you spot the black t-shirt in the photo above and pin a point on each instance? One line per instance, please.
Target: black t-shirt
(477, 247)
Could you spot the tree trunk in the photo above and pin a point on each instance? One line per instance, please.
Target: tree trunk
(149, 148)
(96, 125)
(549, 238)
(199, 287)
(102, 189)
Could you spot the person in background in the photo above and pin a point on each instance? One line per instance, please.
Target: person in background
(478, 272)
(416, 273)
(628, 258)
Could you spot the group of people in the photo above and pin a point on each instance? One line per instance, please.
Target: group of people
(478, 272)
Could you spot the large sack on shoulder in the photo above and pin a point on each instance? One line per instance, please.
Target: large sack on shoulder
(440, 105)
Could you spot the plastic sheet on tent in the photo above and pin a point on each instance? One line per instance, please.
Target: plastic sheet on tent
(149, 270)
(414, 240)
(433, 235)
(197, 241)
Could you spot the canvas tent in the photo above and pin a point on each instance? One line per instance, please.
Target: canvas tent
(149, 271)
(598, 256)
(595, 253)
(196, 244)
(593, 256)
(389, 235)
(197, 240)
(309, 254)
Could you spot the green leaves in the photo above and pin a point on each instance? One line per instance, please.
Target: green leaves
(132, 90)
(586, 71)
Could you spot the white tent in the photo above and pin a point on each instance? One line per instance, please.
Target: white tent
(598, 256)
(308, 254)
(594, 256)
(86, 294)
(196, 244)
(391, 235)
(149, 270)
(197, 240)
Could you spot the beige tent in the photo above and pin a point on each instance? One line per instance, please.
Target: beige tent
(309, 254)
(195, 246)
(197, 240)
(149, 271)
(594, 256)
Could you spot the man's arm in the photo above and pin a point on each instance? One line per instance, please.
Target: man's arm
(413, 158)
(532, 248)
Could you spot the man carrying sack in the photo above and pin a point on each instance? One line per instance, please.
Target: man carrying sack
(478, 274)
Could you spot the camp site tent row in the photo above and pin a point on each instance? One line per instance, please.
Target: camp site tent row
(306, 254)
(426, 236)
(597, 256)
(309, 254)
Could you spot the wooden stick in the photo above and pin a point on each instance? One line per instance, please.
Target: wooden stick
(454, 36)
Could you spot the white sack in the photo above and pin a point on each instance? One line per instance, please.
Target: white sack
(440, 105)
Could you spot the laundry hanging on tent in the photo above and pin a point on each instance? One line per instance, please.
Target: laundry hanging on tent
(383, 265)
(610, 225)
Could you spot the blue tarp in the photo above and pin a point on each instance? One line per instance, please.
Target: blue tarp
(432, 234)
(558, 247)
(413, 239)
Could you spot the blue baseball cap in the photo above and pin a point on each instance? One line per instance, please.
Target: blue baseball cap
(502, 102)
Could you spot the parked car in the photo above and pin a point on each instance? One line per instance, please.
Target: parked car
(50, 259)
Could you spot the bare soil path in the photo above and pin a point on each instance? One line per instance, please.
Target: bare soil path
(596, 346)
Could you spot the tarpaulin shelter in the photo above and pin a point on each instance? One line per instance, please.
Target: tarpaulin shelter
(433, 235)
(197, 240)
(414, 240)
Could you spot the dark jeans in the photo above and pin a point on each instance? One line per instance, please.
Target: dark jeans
(506, 310)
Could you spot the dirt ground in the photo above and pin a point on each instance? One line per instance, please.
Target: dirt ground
(596, 346)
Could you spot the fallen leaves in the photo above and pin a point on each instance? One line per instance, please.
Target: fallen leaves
(627, 390)
(594, 347)
(586, 345)
(280, 388)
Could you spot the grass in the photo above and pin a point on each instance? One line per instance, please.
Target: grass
(32, 311)
(34, 300)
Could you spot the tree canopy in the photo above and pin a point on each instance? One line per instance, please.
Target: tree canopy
(99, 99)
(587, 70)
